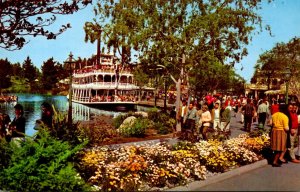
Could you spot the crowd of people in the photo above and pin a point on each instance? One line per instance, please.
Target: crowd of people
(14, 130)
(214, 113)
(209, 113)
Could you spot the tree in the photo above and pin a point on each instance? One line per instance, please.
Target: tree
(16, 69)
(293, 61)
(141, 78)
(20, 18)
(93, 33)
(29, 70)
(5, 72)
(49, 74)
(272, 64)
(182, 35)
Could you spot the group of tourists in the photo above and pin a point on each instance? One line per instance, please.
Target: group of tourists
(214, 114)
(209, 114)
(15, 130)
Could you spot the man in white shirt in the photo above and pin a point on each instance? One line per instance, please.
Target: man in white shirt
(215, 113)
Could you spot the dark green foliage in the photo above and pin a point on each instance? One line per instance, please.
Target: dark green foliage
(5, 72)
(42, 165)
(162, 121)
(257, 133)
(60, 130)
(49, 74)
(153, 114)
(6, 152)
(29, 70)
(99, 132)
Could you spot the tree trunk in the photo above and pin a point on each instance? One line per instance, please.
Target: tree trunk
(98, 50)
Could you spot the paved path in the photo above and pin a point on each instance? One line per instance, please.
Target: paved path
(265, 178)
(261, 177)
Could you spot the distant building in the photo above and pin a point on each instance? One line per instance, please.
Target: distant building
(263, 83)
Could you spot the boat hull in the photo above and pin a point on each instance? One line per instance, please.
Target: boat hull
(111, 106)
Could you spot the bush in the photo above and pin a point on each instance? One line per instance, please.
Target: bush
(6, 152)
(42, 165)
(154, 114)
(61, 130)
(98, 134)
(138, 128)
(117, 122)
(163, 123)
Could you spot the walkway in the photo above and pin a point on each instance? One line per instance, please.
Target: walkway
(255, 177)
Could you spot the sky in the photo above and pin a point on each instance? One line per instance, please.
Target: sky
(282, 15)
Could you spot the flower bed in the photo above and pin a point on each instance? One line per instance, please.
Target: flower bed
(132, 168)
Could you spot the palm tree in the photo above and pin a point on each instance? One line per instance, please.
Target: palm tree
(93, 33)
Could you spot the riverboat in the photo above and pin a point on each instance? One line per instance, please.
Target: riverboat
(107, 84)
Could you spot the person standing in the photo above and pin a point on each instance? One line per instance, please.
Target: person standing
(198, 118)
(248, 112)
(215, 116)
(293, 132)
(181, 115)
(17, 126)
(191, 117)
(279, 135)
(243, 103)
(205, 119)
(262, 112)
(225, 118)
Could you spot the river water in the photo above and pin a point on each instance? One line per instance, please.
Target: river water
(32, 110)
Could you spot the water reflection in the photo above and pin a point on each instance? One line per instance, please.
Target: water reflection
(32, 111)
(84, 113)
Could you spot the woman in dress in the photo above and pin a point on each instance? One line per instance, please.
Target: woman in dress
(279, 134)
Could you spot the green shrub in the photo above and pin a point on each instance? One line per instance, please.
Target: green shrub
(163, 123)
(99, 134)
(6, 152)
(117, 121)
(154, 114)
(137, 129)
(61, 130)
(43, 164)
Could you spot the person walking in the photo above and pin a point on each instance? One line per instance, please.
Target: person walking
(248, 112)
(278, 136)
(262, 112)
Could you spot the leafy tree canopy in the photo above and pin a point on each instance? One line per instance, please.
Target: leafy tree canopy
(183, 35)
(19, 18)
(273, 62)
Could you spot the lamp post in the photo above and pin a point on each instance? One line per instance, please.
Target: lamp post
(70, 61)
(287, 77)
